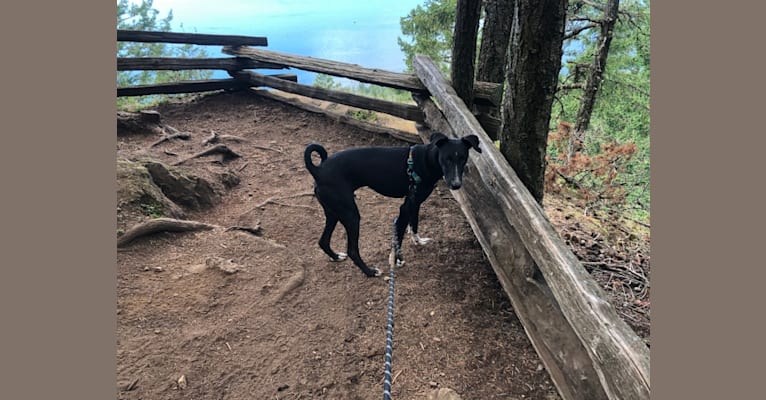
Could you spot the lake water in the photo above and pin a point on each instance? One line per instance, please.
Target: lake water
(352, 31)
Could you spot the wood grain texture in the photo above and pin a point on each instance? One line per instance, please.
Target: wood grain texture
(618, 356)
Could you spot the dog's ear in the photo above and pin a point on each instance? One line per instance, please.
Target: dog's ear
(438, 138)
(472, 141)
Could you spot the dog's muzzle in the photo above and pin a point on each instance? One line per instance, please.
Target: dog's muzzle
(454, 184)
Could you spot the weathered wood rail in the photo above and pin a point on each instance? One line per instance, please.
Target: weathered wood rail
(178, 64)
(190, 38)
(485, 92)
(589, 351)
(406, 111)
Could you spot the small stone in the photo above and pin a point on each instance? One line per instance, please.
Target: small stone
(182, 382)
(443, 394)
(433, 384)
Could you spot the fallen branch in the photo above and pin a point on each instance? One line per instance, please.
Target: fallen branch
(161, 225)
(227, 153)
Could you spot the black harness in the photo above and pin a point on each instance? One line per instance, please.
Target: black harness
(413, 176)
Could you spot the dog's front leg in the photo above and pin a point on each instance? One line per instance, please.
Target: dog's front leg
(413, 228)
(400, 226)
(414, 212)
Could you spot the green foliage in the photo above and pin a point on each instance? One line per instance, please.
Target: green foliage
(363, 115)
(429, 29)
(621, 112)
(326, 82)
(144, 17)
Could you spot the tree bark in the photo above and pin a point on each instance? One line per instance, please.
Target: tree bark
(501, 211)
(464, 48)
(593, 83)
(494, 40)
(534, 56)
(493, 54)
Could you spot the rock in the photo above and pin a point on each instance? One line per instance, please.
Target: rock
(443, 394)
(227, 266)
(184, 189)
(136, 188)
(229, 179)
(182, 382)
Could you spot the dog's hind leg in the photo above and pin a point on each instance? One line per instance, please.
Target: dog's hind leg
(324, 241)
(348, 214)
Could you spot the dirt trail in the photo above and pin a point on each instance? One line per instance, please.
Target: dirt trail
(241, 316)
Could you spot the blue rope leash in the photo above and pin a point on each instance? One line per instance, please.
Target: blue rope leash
(389, 334)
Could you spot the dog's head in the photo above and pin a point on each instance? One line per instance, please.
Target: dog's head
(453, 154)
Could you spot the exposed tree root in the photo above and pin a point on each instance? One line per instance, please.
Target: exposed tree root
(226, 152)
(216, 138)
(293, 283)
(275, 201)
(257, 231)
(146, 121)
(268, 148)
(170, 133)
(161, 225)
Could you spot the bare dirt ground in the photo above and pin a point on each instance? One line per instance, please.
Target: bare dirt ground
(226, 314)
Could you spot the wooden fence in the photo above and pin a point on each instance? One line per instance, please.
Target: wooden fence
(588, 350)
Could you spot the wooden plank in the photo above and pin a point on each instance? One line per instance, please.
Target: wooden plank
(366, 126)
(485, 92)
(619, 357)
(559, 348)
(406, 111)
(181, 87)
(177, 64)
(190, 38)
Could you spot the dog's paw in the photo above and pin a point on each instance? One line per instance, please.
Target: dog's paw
(419, 241)
(394, 260)
(375, 273)
(341, 257)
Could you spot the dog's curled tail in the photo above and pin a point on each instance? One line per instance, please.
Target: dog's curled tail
(314, 147)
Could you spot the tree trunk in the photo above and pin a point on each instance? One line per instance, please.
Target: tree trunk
(494, 49)
(494, 40)
(533, 68)
(593, 84)
(464, 48)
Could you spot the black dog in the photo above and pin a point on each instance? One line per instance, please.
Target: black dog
(391, 171)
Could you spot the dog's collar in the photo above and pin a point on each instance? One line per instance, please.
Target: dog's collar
(414, 178)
